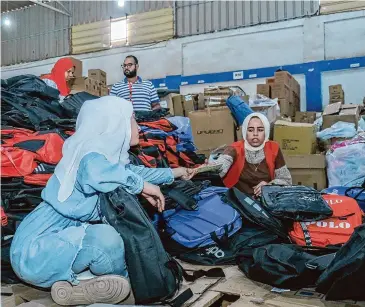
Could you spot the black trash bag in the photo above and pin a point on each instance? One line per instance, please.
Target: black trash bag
(73, 103)
(284, 266)
(31, 85)
(24, 111)
(297, 203)
(344, 277)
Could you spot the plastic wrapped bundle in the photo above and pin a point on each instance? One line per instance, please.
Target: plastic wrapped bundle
(346, 161)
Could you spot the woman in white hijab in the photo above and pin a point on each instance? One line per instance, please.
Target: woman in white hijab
(254, 162)
(59, 243)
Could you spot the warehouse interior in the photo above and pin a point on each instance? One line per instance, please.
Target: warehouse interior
(204, 72)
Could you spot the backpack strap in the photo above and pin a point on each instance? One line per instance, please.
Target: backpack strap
(307, 236)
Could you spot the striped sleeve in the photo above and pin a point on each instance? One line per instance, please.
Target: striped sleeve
(153, 94)
(114, 91)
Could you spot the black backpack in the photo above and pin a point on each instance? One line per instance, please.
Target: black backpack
(283, 265)
(344, 277)
(154, 275)
(254, 212)
(296, 203)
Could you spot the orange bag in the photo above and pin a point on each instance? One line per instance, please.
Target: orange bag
(337, 229)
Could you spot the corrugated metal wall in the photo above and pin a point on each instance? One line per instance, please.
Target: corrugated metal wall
(35, 33)
(197, 17)
(90, 11)
(38, 33)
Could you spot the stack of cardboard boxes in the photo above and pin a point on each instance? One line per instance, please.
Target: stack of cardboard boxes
(284, 87)
(95, 83)
(336, 94)
(298, 143)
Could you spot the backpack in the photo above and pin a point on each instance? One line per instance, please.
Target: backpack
(335, 230)
(225, 253)
(283, 265)
(239, 109)
(255, 213)
(211, 222)
(344, 277)
(357, 193)
(154, 275)
(298, 203)
(145, 256)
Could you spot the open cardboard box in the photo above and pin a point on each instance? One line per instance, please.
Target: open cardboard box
(338, 112)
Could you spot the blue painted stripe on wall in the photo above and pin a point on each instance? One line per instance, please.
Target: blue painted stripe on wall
(311, 70)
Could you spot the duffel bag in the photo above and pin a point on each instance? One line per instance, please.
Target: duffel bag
(283, 265)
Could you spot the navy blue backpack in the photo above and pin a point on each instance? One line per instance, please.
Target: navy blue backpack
(239, 109)
(212, 222)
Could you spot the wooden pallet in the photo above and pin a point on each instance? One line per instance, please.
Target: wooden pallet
(206, 292)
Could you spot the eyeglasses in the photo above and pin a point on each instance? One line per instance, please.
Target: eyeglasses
(128, 65)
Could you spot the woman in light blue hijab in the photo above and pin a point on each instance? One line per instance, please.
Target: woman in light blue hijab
(60, 244)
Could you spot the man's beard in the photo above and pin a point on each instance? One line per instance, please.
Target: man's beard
(130, 73)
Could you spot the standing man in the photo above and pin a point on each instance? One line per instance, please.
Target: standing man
(141, 93)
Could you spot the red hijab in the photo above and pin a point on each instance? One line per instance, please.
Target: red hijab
(58, 75)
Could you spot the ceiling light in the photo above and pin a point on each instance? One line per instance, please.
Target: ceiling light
(121, 3)
(7, 22)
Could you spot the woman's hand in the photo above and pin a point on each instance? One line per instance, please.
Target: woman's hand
(183, 173)
(154, 196)
(257, 188)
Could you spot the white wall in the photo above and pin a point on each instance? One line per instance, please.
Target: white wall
(290, 42)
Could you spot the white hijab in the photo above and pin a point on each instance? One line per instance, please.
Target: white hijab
(266, 124)
(103, 126)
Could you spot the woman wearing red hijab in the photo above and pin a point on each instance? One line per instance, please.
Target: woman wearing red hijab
(61, 72)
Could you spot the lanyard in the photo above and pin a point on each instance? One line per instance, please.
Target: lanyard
(130, 86)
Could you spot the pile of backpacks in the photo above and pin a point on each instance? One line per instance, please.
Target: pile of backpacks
(293, 237)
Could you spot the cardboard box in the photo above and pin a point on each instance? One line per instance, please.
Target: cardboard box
(295, 138)
(305, 117)
(212, 128)
(78, 67)
(335, 89)
(212, 101)
(333, 113)
(295, 86)
(308, 170)
(216, 96)
(281, 91)
(283, 77)
(82, 84)
(269, 112)
(287, 108)
(188, 105)
(167, 102)
(264, 89)
(104, 91)
(270, 80)
(182, 105)
(340, 95)
(98, 75)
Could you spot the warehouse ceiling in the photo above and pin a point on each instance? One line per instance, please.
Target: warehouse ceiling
(14, 5)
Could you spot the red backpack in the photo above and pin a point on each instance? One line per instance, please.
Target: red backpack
(337, 229)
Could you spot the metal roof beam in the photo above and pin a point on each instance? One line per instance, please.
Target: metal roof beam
(50, 7)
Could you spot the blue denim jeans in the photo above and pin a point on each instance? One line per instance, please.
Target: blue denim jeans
(102, 252)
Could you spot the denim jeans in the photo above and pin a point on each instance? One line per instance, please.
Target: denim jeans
(102, 252)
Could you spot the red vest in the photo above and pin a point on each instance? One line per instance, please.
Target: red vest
(271, 150)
